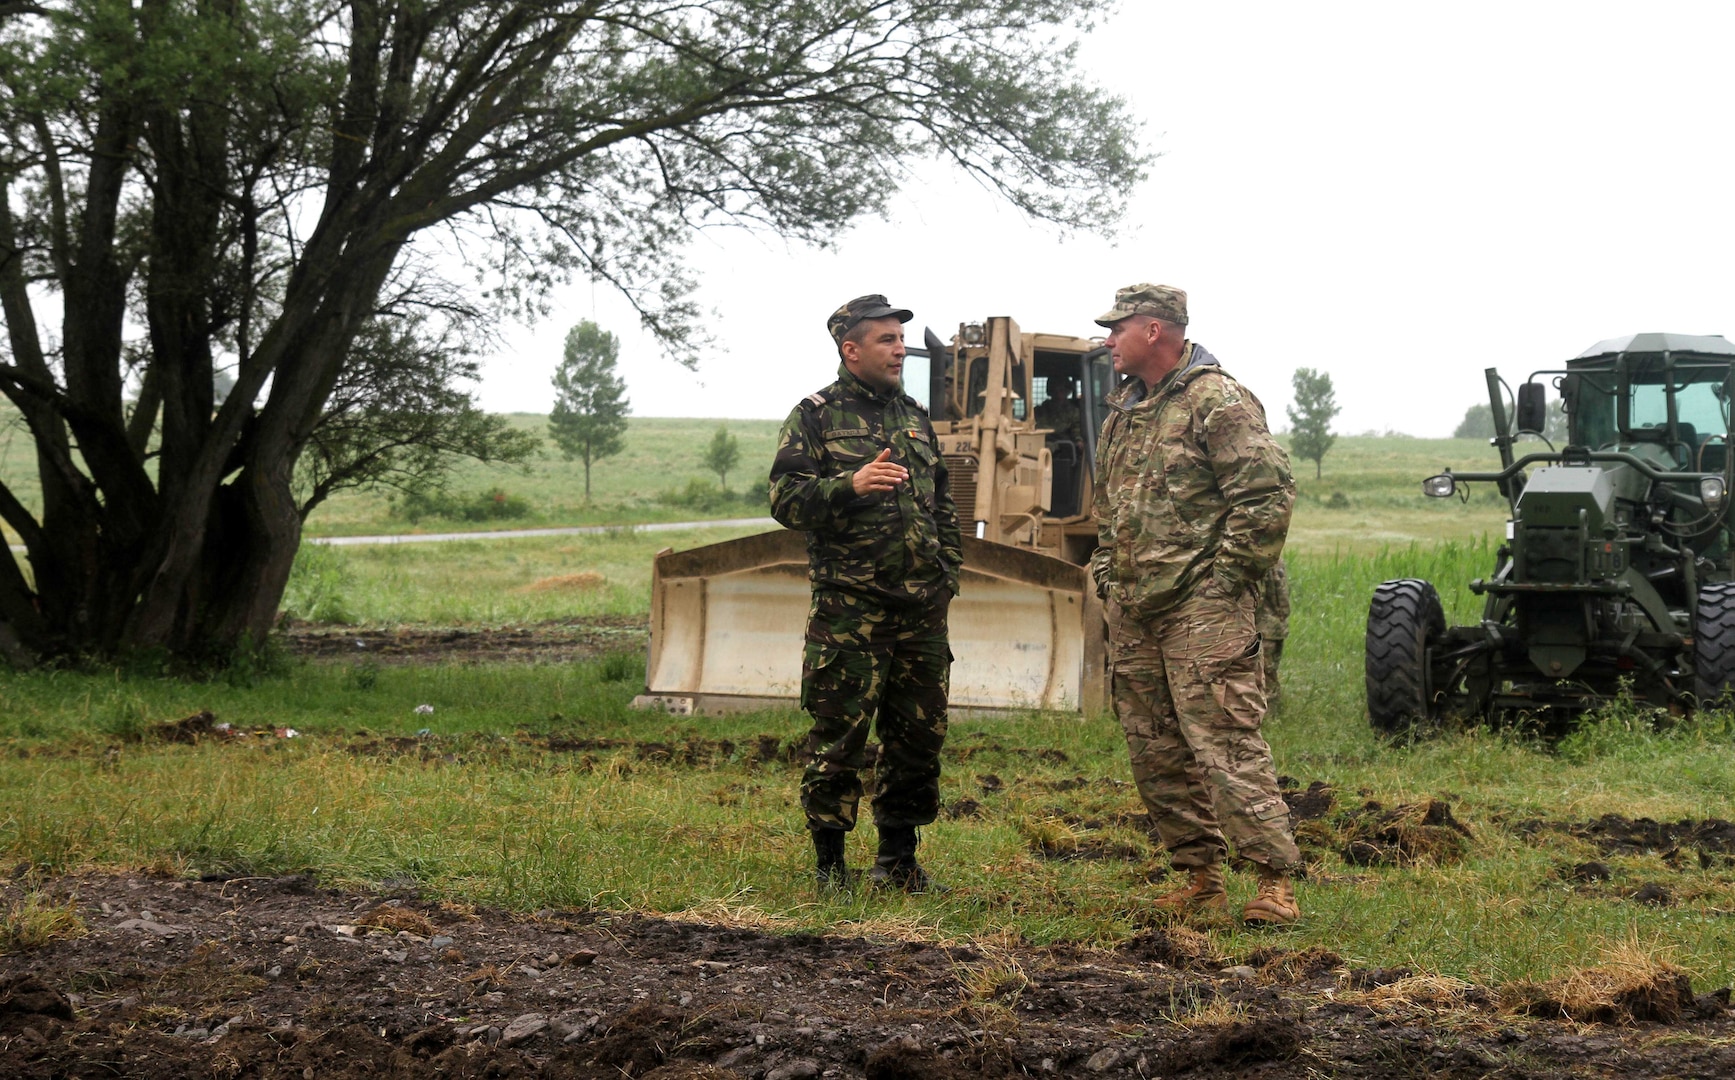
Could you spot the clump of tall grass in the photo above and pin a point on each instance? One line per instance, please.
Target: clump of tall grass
(38, 920)
(319, 584)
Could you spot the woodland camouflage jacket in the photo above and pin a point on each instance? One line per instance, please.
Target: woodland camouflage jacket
(899, 546)
(1190, 487)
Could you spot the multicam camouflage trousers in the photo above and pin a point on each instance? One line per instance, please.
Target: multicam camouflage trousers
(874, 668)
(1188, 687)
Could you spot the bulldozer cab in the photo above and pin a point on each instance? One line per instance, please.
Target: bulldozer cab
(1031, 405)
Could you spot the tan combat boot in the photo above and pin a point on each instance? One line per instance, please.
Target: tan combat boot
(1274, 904)
(1203, 893)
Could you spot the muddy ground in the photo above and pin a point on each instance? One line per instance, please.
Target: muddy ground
(257, 977)
(545, 642)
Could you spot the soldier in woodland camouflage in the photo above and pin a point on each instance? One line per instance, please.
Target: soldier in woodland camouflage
(859, 470)
(1193, 498)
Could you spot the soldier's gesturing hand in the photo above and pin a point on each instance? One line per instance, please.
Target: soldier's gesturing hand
(880, 474)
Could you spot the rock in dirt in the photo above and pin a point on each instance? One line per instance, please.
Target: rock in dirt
(800, 1069)
(523, 1028)
(148, 926)
(1103, 1060)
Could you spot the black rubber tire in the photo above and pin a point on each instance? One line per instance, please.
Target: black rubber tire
(1403, 620)
(1714, 643)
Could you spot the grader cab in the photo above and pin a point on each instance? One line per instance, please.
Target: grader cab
(1616, 573)
(1027, 631)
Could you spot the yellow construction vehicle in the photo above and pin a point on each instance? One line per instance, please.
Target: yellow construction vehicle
(1027, 631)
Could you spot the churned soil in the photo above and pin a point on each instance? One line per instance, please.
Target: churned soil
(255, 977)
(547, 642)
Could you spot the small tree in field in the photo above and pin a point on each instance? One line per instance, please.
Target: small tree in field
(1310, 416)
(722, 455)
(590, 404)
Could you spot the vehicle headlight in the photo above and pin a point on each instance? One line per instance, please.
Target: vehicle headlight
(974, 334)
(1712, 491)
(1439, 487)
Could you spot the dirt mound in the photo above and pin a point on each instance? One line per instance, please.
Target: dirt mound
(1615, 834)
(545, 642)
(1175, 946)
(1293, 965)
(1240, 1044)
(1620, 993)
(282, 979)
(1405, 835)
(691, 752)
(1308, 805)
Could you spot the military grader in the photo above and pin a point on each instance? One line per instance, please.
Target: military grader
(1027, 630)
(1616, 573)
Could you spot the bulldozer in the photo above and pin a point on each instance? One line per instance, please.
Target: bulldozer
(1027, 630)
(1615, 575)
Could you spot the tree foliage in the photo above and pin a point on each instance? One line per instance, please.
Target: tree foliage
(1311, 415)
(1478, 423)
(722, 454)
(281, 190)
(590, 403)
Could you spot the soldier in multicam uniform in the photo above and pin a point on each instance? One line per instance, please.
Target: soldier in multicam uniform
(858, 468)
(1193, 498)
(1272, 622)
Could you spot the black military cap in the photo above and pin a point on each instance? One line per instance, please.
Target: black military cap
(872, 306)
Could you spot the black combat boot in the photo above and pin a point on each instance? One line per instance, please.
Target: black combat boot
(896, 867)
(830, 871)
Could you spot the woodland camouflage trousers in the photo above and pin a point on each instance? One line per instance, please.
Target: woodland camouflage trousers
(894, 679)
(1188, 688)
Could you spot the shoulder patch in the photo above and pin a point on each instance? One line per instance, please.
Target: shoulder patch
(816, 399)
(914, 404)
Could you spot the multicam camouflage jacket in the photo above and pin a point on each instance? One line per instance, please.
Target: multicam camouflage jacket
(1190, 487)
(899, 546)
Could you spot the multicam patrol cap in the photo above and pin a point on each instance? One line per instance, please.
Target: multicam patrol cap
(871, 306)
(1158, 301)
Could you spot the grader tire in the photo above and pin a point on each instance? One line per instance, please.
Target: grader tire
(1714, 644)
(1404, 619)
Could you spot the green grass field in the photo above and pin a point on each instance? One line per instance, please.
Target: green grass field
(1377, 478)
(660, 459)
(537, 785)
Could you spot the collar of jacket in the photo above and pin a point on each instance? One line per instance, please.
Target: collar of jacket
(846, 379)
(1195, 361)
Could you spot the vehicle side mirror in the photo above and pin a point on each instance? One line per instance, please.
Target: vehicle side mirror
(1532, 408)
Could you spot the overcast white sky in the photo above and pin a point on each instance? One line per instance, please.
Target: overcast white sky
(1399, 194)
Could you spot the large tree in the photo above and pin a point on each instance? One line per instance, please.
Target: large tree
(193, 186)
(590, 402)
